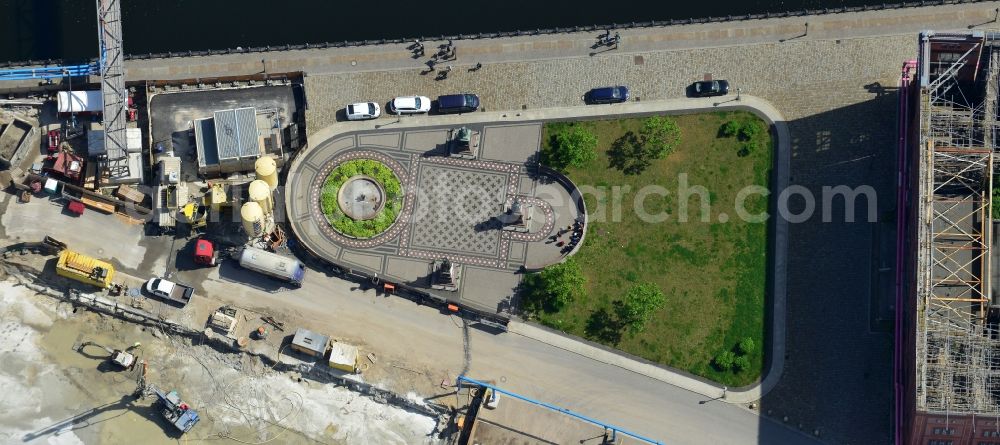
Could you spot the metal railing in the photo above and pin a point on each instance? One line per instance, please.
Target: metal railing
(609, 427)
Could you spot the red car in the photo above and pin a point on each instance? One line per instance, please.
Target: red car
(53, 141)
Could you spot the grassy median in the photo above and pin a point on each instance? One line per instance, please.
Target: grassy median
(711, 276)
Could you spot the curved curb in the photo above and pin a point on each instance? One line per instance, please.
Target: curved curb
(580, 203)
(781, 164)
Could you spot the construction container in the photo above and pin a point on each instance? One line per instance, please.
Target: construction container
(253, 219)
(343, 357)
(260, 193)
(267, 171)
(85, 269)
(309, 342)
(79, 101)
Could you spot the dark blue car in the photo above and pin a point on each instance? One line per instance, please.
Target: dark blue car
(457, 103)
(607, 95)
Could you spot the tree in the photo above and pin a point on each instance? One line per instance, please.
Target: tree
(746, 346)
(554, 287)
(632, 153)
(659, 136)
(639, 304)
(571, 145)
(724, 361)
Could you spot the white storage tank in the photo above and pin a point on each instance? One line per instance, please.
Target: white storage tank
(253, 219)
(260, 193)
(267, 171)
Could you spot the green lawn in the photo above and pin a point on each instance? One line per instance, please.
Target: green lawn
(713, 274)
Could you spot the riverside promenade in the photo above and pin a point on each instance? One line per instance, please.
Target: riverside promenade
(833, 80)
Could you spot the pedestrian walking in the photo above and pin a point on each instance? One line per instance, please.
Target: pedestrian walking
(447, 69)
(479, 66)
(618, 38)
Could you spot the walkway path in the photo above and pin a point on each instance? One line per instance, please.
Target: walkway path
(489, 51)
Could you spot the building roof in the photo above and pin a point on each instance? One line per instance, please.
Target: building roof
(310, 340)
(343, 354)
(204, 136)
(236, 133)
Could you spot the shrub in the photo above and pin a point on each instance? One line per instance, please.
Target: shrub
(746, 346)
(724, 361)
(741, 363)
(750, 130)
(730, 129)
(748, 148)
(380, 173)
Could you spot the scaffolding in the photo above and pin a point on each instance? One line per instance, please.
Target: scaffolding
(957, 347)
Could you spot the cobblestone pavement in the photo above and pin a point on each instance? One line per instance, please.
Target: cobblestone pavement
(836, 97)
(454, 206)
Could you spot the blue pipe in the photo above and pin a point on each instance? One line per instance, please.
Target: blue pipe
(48, 72)
(613, 428)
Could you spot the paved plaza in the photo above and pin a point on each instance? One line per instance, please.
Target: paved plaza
(453, 208)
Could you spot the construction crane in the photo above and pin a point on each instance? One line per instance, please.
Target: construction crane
(112, 69)
(110, 66)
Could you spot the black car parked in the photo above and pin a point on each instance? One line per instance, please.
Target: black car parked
(457, 103)
(709, 88)
(606, 95)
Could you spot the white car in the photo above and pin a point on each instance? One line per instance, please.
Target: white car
(363, 110)
(410, 105)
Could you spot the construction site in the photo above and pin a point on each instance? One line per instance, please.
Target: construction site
(952, 379)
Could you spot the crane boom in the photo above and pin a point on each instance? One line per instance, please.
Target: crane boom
(113, 90)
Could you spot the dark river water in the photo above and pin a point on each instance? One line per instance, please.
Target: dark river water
(67, 29)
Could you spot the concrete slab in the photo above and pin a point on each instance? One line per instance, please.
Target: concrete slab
(342, 143)
(526, 186)
(409, 270)
(373, 262)
(511, 143)
(383, 140)
(491, 286)
(425, 141)
(517, 250)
